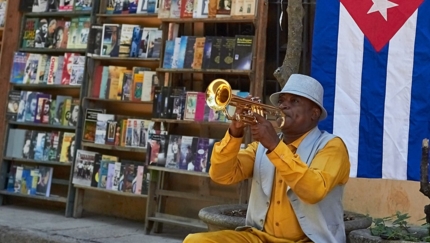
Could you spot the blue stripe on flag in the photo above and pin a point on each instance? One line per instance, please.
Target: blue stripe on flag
(419, 127)
(324, 53)
(372, 111)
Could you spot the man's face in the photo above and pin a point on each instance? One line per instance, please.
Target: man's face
(33, 106)
(46, 109)
(300, 113)
(44, 28)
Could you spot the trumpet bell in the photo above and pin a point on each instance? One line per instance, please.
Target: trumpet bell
(218, 94)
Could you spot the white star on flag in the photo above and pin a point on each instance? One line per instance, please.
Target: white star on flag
(381, 6)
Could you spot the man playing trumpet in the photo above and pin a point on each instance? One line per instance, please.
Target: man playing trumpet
(298, 176)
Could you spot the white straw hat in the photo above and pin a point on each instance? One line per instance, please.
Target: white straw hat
(305, 86)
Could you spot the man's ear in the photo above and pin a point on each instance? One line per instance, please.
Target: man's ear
(316, 113)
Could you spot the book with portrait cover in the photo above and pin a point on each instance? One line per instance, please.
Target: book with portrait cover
(198, 53)
(72, 38)
(242, 58)
(84, 167)
(173, 152)
(78, 67)
(110, 40)
(95, 40)
(67, 147)
(43, 187)
(101, 127)
(31, 68)
(158, 138)
(127, 32)
(84, 24)
(40, 109)
(66, 5)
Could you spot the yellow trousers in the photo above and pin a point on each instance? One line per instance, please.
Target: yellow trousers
(250, 235)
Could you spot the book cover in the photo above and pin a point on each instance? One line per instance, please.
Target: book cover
(142, 6)
(144, 39)
(41, 66)
(94, 171)
(111, 132)
(78, 68)
(114, 83)
(45, 180)
(47, 66)
(200, 106)
(101, 127)
(110, 175)
(18, 67)
(74, 113)
(39, 6)
(95, 40)
(104, 83)
(132, 6)
(29, 35)
(157, 144)
(53, 145)
(175, 8)
(83, 5)
(67, 67)
(59, 71)
(56, 118)
(188, 150)
(84, 167)
(201, 8)
(168, 53)
(116, 176)
(190, 105)
(39, 147)
(128, 182)
(14, 98)
(31, 68)
(127, 32)
(164, 10)
(201, 156)
(243, 52)
(152, 6)
(135, 41)
(66, 108)
(103, 174)
(149, 80)
(127, 84)
(227, 52)
(249, 7)
(175, 56)
(90, 124)
(139, 179)
(67, 147)
(173, 151)
(207, 51)
(223, 8)
(177, 102)
(198, 53)
(30, 106)
(52, 70)
(61, 34)
(154, 43)
(83, 31)
(96, 81)
(189, 52)
(66, 5)
(181, 52)
(40, 108)
(187, 7)
(21, 107)
(214, 62)
(72, 38)
(110, 40)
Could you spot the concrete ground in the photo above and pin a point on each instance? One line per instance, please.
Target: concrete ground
(24, 225)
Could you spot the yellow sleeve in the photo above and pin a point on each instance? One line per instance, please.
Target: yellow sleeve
(329, 168)
(229, 163)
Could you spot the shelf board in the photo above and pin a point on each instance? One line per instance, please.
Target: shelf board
(210, 71)
(113, 147)
(128, 59)
(58, 14)
(126, 194)
(226, 124)
(60, 182)
(234, 19)
(52, 198)
(13, 159)
(48, 50)
(178, 220)
(45, 86)
(31, 124)
(178, 171)
(119, 101)
(139, 15)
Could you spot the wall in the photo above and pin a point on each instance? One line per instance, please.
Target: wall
(381, 198)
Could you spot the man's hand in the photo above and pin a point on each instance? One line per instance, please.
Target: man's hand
(237, 127)
(264, 132)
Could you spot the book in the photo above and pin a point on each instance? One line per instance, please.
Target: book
(59, 71)
(67, 147)
(52, 70)
(190, 105)
(157, 144)
(72, 37)
(84, 167)
(101, 127)
(90, 124)
(14, 98)
(243, 52)
(201, 8)
(110, 40)
(168, 54)
(173, 152)
(40, 107)
(188, 149)
(18, 67)
(227, 52)
(31, 68)
(77, 72)
(95, 40)
(94, 170)
(135, 41)
(114, 82)
(60, 101)
(215, 56)
(84, 24)
(154, 43)
(111, 132)
(67, 67)
(43, 187)
(30, 104)
(66, 5)
(198, 53)
(127, 33)
(110, 175)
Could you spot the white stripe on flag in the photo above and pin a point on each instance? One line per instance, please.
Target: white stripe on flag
(398, 101)
(346, 117)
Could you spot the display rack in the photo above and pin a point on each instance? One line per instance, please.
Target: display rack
(61, 188)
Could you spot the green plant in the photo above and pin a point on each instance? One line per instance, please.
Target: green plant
(396, 227)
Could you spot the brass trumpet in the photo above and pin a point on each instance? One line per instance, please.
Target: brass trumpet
(219, 96)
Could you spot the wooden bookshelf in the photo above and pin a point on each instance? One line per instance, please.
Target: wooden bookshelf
(52, 198)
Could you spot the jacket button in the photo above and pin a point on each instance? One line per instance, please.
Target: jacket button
(277, 224)
(261, 221)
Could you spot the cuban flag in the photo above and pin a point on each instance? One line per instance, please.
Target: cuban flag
(373, 59)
